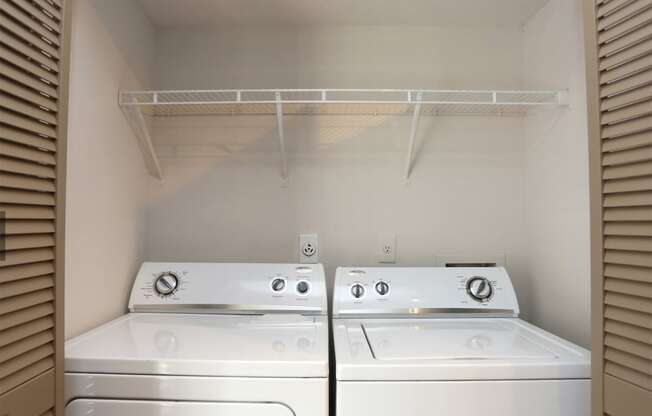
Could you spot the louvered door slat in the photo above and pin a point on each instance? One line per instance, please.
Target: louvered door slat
(27, 94)
(629, 142)
(16, 13)
(630, 332)
(628, 214)
(48, 8)
(628, 185)
(8, 134)
(26, 182)
(628, 272)
(626, 69)
(29, 37)
(627, 316)
(629, 41)
(633, 170)
(627, 287)
(19, 257)
(13, 227)
(26, 373)
(619, 77)
(27, 153)
(631, 361)
(11, 274)
(628, 243)
(632, 229)
(624, 344)
(13, 119)
(628, 98)
(20, 47)
(17, 319)
(634, 199)
(612, 6)
(13, 165)
(27, 212)
(34, 41)
(39, 15)
(23, 286)
(15, 334)
(32, 342)
(22, 242)
(26, 75)
(626, 27)
(18, 68)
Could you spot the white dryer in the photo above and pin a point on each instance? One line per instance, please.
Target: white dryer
(448, 341)
(208, 339)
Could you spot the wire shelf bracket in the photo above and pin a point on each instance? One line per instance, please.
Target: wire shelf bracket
(136, 120)
(281, 137)
(315, 102)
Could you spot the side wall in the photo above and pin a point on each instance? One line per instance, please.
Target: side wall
(107, 181)
(556, 166)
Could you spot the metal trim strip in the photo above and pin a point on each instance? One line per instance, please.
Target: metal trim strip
(229, 309)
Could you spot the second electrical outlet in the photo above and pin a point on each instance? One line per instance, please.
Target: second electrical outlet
(308, 248)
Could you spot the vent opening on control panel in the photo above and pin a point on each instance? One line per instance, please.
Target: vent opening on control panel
(471, 264)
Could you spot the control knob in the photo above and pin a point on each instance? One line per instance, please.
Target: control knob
(479, 288)
(303, 287)
(278, 284)
(166, 283)
(357, 290)
(382, 288)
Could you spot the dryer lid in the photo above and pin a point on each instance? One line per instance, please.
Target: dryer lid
(204, 345)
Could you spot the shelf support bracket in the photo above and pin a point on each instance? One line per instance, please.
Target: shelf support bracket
(138, 124)
(281, 137)
(413, 135)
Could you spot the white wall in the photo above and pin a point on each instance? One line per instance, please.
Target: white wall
(221, 198)
(556, 179)
(106, 179)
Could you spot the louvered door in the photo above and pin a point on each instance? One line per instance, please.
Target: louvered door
(619, 73)
(33, 68)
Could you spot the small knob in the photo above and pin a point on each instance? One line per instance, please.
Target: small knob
(303, 287)
(382, 288)
(166, 283)
(479, 288)
(278, 284)
(357, 290)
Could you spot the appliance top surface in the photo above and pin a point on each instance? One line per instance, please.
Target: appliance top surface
(423, 291)
(207, 345)
(221, 288)
(453, 349)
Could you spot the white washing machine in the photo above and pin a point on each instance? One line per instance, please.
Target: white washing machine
(208, 339)
(448, 341)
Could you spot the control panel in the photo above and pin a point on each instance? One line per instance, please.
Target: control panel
(229, 288)
(485, 291)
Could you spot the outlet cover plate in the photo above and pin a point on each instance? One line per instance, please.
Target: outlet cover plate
(386, 248)
(308, 248)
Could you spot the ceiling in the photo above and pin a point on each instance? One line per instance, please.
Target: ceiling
(169, 14)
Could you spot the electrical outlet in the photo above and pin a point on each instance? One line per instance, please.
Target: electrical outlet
(308, 248)
(387, 248)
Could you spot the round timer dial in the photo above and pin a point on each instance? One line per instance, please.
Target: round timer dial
(166, 283)
(479, 288)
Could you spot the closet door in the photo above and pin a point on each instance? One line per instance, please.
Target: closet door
(619, 73)
(33, 70)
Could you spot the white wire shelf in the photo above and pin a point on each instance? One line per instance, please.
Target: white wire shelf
(281, 102)
(339, 102)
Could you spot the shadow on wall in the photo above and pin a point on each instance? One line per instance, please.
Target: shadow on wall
(125, 21)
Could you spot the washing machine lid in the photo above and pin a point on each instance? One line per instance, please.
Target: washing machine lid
(453, 349)
(204, 345)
